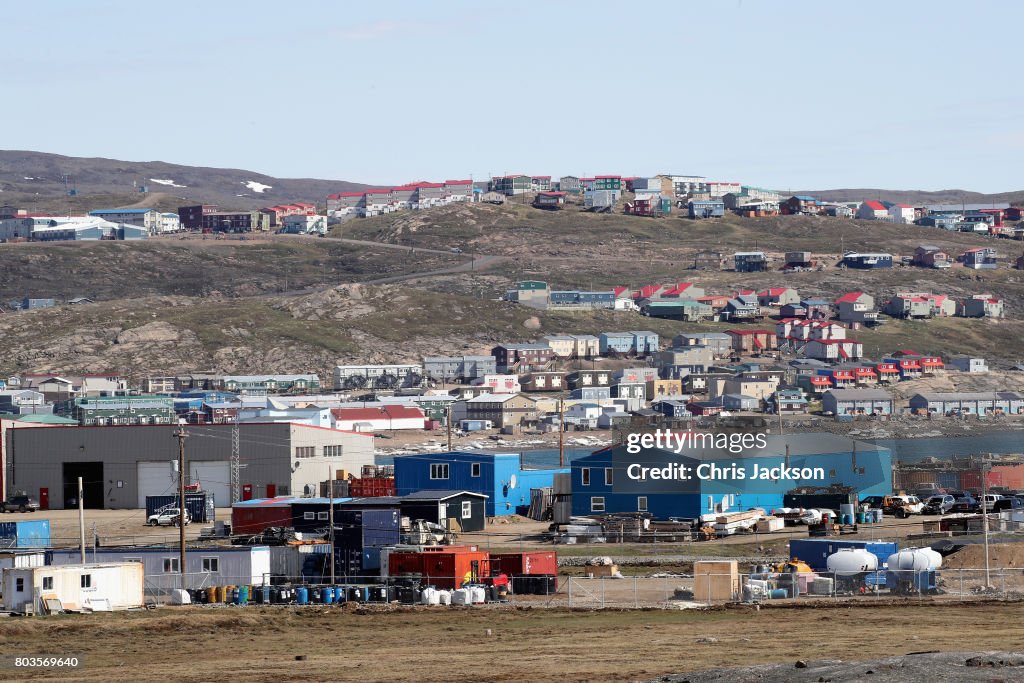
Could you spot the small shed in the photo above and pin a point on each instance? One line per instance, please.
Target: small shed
(454, 510)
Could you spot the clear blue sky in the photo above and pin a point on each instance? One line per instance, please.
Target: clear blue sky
(789, 95)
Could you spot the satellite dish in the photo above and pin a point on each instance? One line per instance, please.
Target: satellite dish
(512, 482)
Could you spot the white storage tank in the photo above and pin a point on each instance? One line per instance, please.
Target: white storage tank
(910, 561)
(851, 562)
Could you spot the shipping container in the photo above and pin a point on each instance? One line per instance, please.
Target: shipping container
(1011, 475)
(526, 563)
(254, 516)
(970, 481)
(34, 533)
(371, 487)
(444, 567)
(815, 552)
(357, 533)
(948, 480)
(199, 504)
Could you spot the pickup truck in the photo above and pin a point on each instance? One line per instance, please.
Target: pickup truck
(21, 503)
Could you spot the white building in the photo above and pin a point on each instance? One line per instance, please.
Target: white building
(210, 566)
(502, 384)
(93, 587)
(689, 184)
(169, 222)
(834, 349)
(717, 190)
(901, 213)
(969, 364)
(305, 225)
(151, 219)
(356, 377)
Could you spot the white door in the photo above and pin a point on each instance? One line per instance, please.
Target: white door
(156, 478)
(214, 477)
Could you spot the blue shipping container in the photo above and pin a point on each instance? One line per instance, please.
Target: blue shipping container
(815, 552)
(948, 480)
(28, 534)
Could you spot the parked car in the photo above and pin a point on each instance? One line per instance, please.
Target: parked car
(167, 517)
(965, 504)
(939, 505)
(1008, 503)
(21, 503)
(987, 501)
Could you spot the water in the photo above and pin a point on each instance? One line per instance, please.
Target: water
(903, 450)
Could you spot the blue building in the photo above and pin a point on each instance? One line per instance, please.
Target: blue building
(617, 342)
(499, 476)
(865, 467)
(867, 261)
(590, 393)
(645, 342)
(707, 208)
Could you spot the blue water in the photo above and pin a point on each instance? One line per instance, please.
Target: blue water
(903, 450)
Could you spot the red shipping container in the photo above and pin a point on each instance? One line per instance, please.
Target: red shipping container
(526, 564)
(1011, 476)
(970, 481)
(370, 487)
(446, 567)
(255, 516)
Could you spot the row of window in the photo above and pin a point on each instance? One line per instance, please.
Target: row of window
(172, 565)
(310, 451)
(608, 476)
(19, 583)
(439, 470)
(597, 504)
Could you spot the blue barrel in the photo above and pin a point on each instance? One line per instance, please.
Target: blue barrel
(365, 594)
(861, 518)
(302, 595)
(326, 595)
(243, 595)
(778, 593)
(234, 596)
(265, 595)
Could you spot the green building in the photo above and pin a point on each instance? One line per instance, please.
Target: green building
(91, 411)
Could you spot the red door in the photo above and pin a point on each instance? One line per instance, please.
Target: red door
(44, 499)
(247, 492)
(271, 490)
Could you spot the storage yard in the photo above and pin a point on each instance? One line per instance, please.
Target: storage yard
(358, 644)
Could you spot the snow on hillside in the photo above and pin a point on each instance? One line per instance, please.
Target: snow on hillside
(256, 187)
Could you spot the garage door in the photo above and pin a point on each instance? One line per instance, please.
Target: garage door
(215, 478)
(156, 478)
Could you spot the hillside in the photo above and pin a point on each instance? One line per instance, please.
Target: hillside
(915, 197)
(31, 179)
(291, 303)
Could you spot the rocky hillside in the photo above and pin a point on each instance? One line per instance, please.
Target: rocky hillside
(28, 177)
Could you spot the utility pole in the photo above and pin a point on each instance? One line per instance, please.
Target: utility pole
(561, 433)
(330, 515)
(448, 419)
(181, 435)
(236, 493)
(984, 511)
(81, 519)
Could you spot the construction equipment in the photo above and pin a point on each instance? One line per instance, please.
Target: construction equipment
(422, 532)
(793, 566)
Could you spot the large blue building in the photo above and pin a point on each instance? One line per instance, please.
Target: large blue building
(864, 467)
(499, 476)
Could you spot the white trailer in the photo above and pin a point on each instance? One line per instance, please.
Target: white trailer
(92, 587)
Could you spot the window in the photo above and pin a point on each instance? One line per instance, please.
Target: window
(172, 565)
(211, 564)
(585, 476)
(282, 490)
(641, 504)
(19, 585)
(322, 516)
(467, 509)
(474, 469)
(332, 451)
(86, 580)
(608, 476)
(597, 504)
(47, 583)
(309, 515)
(305, 451)
(439, 470)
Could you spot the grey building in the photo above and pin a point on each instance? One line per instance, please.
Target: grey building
(120, 466)
(741, 402)
(968, 403)
(590, 393)
(720, 343)
(969, 364)
(857, 402)
(683, 360)
(459, 369)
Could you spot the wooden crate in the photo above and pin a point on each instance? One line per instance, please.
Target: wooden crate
(716, 581)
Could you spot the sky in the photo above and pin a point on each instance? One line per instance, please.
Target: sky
(788, 95)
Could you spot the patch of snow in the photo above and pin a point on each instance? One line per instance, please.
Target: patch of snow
(165, 181)
(29, 178)
(257, 187)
